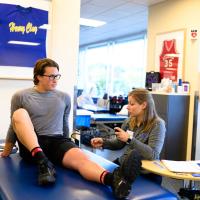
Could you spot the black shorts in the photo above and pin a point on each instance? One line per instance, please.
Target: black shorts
(53, 147)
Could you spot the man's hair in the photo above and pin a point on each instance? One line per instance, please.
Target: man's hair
(40, 66)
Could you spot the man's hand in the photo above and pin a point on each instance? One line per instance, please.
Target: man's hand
(7, 149)
(96, 142)
(2, 154)
(121, 134)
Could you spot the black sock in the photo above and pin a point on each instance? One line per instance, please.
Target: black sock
(38, 155)
(108, 179)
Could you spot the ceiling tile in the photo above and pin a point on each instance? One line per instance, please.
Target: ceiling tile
(123, 17)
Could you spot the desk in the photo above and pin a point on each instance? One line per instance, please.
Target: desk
(103, 121)
(107, 118)
(94, 108)
(157, 167)
(107, 121)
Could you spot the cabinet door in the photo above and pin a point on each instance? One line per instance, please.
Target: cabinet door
(174, 109)
(178, 113)
(161, 104)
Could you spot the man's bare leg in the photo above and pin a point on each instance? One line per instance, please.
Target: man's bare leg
(79, 161)
(120, 179)
(24, 130)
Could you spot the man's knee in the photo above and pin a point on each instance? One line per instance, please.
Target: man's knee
(19, 114)
(75, 158)
(77, 154)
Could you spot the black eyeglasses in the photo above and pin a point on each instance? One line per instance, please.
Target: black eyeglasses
(53, 77)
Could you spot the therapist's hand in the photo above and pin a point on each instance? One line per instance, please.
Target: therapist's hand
(121, 134)
(96, 142)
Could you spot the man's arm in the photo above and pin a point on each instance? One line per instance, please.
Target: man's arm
(66, 117)
(11, 137)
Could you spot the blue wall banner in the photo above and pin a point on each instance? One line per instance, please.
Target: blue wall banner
(22, 41)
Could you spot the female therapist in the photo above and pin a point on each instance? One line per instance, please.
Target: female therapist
(143, 131)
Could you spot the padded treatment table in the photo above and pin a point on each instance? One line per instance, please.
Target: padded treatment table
(18, 181)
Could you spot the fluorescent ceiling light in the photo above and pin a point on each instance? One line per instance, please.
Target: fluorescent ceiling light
(91, 22)
(83, 21)
(23, 43)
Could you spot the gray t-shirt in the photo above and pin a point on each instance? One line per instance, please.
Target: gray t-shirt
(49, 111)
(149, 144)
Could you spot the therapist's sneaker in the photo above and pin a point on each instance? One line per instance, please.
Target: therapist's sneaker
(46, 173)
(125, 175)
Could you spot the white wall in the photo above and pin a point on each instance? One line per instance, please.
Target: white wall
(63, 42)
(175, 15)
(7, 88)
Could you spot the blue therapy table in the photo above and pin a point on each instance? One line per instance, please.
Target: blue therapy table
(18, 181)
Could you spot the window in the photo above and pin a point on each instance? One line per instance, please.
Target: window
(114, 67)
